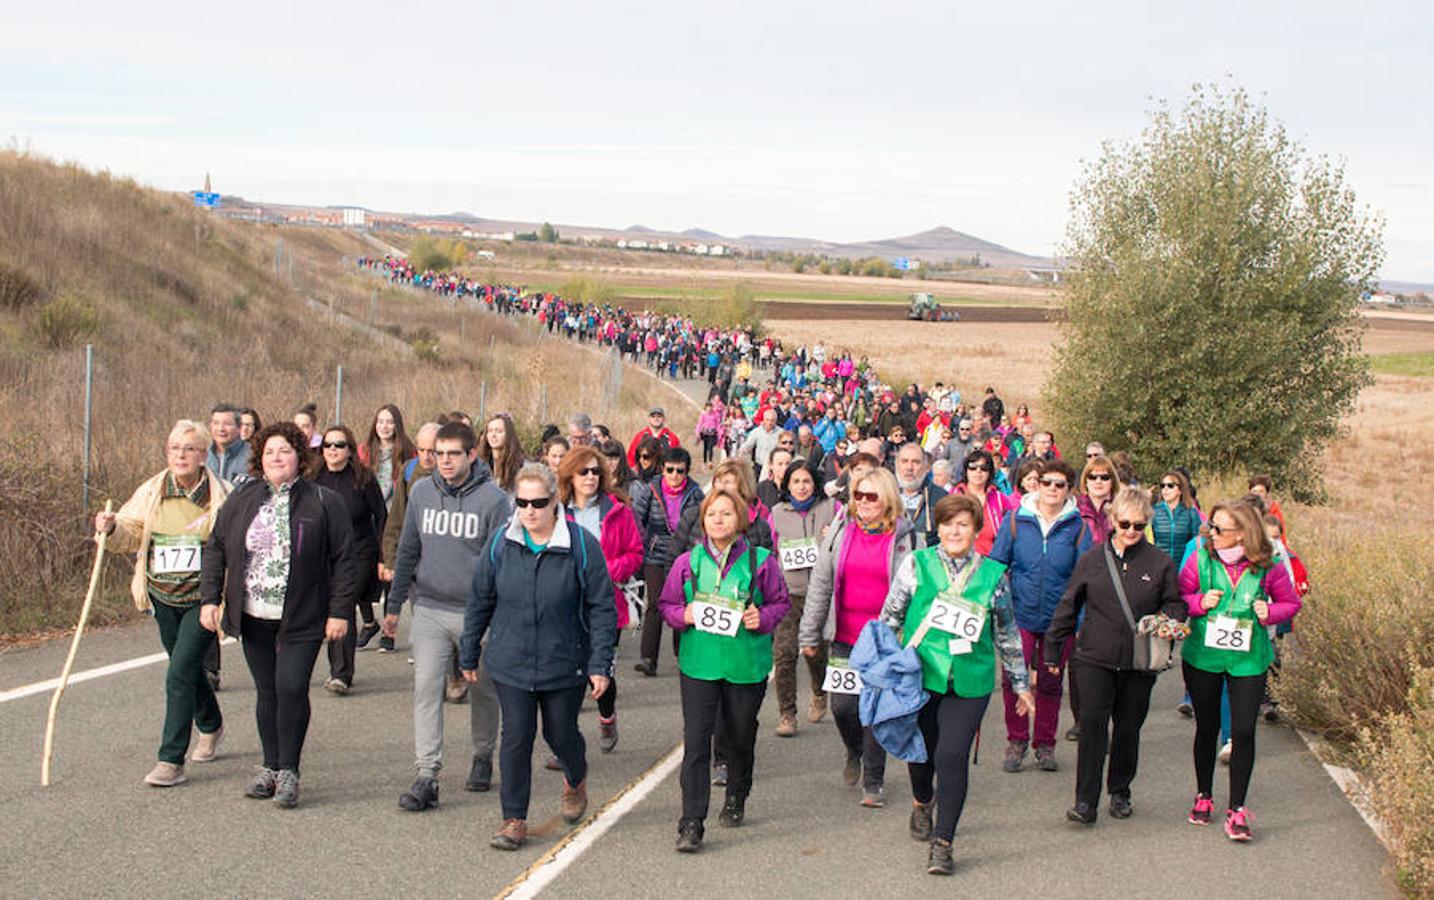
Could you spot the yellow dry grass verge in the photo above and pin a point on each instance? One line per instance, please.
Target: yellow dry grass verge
(186, 310)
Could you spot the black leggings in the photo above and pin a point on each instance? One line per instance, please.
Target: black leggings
(281, 671)
(709, 443)
(704, 705)
(949, 725)
(1245, 695)
(857, 738)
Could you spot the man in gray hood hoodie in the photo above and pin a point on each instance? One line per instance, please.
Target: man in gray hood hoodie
(451, 517)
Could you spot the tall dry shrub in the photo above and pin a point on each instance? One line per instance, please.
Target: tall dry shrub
(1364, 630)
(1397, 755)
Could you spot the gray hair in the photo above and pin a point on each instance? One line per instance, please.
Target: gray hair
(536, 471)
(941, 465)
(582, 421)
(1131, 503)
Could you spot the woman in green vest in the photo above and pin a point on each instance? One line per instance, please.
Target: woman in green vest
(954, 604)
(1232, 589)
(725, 597)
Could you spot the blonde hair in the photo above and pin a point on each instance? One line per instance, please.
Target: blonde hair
(738, 467)
(186, 427)
(884, 485)
(1097, 464)
(1130, 503)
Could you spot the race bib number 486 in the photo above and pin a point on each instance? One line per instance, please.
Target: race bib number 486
(798, 553)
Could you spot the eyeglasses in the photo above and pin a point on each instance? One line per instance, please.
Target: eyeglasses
(535, 503)
(1218, 530)
(590, 470)
(1098, 476)
(336, 445)
(865, 496)
(1058, 483)
(1123, 525)
(1168, 485)
(675, 470)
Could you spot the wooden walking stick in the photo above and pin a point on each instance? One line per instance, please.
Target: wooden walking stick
(74, 646)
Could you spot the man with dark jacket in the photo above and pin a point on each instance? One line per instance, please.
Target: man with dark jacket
(918, 494)
(992, 408)
(659, 509)
(1039, 543)
(450, 518)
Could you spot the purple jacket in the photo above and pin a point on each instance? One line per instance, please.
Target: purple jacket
(768, 580)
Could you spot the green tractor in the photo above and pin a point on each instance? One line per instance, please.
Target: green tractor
(924, 308)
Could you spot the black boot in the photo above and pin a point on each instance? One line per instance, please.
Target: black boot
(733, 812)
(689, 835)
(422, 795)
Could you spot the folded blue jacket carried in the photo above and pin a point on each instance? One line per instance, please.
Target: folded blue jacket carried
(891, 691)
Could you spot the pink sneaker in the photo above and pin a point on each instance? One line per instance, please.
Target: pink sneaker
(1237, 824)
(1201, 812)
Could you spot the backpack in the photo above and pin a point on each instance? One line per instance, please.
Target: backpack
(494, 556)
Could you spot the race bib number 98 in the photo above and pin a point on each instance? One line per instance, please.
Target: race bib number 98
(716, 615)
(958, 617)
(841, 678)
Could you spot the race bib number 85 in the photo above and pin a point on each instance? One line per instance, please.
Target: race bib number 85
(716, 615)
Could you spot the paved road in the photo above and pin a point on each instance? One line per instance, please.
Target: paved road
(98, 831)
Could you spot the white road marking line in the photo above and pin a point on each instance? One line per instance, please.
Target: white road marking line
(551, 864)
(44, 687)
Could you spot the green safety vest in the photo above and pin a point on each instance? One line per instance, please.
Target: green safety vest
(966, 674)
(743, 659)
(1237, 602)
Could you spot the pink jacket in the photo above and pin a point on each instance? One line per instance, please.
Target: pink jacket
(711, 420)
(622, 548)
(1284, 599)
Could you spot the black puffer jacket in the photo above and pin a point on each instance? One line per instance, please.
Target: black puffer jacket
(1104, 638)
(651, 514)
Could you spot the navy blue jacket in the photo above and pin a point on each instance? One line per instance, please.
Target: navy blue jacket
(1040, 565)
(549, 616)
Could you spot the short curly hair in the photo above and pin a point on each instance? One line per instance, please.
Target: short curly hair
(286, 430)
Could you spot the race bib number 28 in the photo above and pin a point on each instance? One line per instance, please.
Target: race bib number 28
(1229, 633)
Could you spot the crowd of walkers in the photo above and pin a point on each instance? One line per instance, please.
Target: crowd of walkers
(917, 554)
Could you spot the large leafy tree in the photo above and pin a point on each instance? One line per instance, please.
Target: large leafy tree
(1212, 300)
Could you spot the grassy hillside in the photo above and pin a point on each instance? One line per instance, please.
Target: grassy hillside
(185, 310)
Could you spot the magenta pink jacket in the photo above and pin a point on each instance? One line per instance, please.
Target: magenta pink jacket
(1284, 599)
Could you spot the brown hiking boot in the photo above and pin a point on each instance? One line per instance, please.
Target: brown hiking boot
(511, 836)
(817, 709)
(787, 726)
(574, 804)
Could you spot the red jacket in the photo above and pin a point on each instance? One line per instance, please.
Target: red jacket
(666, 434)
(621, 542)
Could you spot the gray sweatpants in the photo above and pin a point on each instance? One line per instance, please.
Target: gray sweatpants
(434, 635)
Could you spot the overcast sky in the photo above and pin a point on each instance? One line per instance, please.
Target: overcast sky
(836, 120)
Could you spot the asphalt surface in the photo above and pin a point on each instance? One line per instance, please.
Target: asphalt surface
(98, 831)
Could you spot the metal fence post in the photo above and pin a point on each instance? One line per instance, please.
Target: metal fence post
(89, 407)
(483, 402)
(543, 417)
(339, 397)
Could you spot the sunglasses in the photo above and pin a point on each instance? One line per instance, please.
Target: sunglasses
(1124, 525)
(590, 470)
(535, 503)
(1218, 530)
(1058, 483)
(1091, 455)
(979, 467)
(674, 470)
(336, 445)
(1098, 476)
(865, 496)
(1168, 485)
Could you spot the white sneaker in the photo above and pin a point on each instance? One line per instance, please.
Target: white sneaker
(206, 749)
(165, 774)
(1225, 753)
